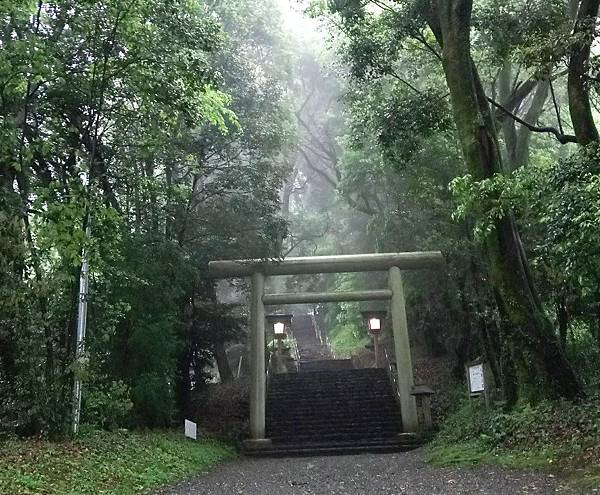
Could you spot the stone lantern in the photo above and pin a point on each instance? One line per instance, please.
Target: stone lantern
(374, 321)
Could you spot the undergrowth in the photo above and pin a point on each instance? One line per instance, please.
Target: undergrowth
(560, 435)
(100, 462)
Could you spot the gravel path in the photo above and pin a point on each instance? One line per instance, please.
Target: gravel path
(365, 474)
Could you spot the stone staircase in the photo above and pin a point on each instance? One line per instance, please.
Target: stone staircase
(309, 346)
(333, 412)
(328, 407)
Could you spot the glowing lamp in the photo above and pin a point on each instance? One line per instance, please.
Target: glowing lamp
(279, 328)
(281, 325)
(374, 324)
(374, 321)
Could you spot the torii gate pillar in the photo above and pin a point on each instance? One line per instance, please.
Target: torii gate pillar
(258, 381)
(408, 404)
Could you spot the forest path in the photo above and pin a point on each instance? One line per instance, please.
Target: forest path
(365, 474)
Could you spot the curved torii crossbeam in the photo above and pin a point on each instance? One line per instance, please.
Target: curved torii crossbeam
(259, 269)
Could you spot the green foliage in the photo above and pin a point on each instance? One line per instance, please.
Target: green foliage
(118, 462)
(347, 337)
(161, 129)
(534, 32)
(347, 334)
(571, 215)
(584, 351)
(487, 200)
(108, 406)
(405, 122)
(546, 434)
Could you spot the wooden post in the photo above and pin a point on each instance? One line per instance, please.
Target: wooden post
(408, 405)
(376, 349)
(258, 382)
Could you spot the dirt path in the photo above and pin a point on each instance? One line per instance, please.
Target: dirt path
(366, 474)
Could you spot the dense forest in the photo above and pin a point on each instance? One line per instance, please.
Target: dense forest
(146, 138)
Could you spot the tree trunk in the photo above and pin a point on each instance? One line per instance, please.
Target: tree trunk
(509, 129)
(547, 368)
(580, 107)
(223, 363)
(521, 154)
(517, 139)
(563, 320)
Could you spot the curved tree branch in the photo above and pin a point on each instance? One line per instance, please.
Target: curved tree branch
(562, 138)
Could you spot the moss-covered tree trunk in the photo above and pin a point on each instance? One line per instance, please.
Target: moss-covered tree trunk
(580, 107)
(540, 355)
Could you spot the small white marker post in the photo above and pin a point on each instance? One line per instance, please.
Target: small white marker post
(190, 429)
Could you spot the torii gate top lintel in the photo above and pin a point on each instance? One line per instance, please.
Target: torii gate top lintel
(327, 264)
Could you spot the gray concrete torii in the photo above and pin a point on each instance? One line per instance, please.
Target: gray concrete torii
(258, 270)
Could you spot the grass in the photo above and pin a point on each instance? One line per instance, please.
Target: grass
(560, 437)
(101, 462)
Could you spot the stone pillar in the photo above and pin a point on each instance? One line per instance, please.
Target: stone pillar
(408, 405)
(258, 382)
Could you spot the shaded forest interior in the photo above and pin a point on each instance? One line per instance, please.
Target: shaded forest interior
(147, 138)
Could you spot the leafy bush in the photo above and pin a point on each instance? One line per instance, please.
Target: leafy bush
(562, 424)
(584, 352)
(222, 409)
(153, 400)
(108, 406)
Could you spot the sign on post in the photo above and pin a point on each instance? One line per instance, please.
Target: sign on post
(190, 429)
(476, 379)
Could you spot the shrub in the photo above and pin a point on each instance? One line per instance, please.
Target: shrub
(108, 406)
(558, 423)
(223, 409)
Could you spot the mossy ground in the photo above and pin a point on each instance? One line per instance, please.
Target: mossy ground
(100, 462)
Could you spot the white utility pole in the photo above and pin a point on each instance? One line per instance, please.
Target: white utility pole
(81, 323)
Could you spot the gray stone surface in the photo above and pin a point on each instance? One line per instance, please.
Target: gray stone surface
(365, 474)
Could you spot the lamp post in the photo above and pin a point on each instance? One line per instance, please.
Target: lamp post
(281, 326)
(374, 322)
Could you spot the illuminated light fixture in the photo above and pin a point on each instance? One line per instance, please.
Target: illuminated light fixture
(279, 328)
(281, 325)
(374, 323)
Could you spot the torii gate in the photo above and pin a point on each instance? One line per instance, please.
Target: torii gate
(259, 269)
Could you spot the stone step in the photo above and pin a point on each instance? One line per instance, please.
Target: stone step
(334, 436)
(341, 420)
(346, 411)
(341, 374)
(325, 399)
(328, 429)
(325, 365)
(356, 410)
(357, 389)
(358, 392)
(355, 394)
(299, 415)
(306, 449)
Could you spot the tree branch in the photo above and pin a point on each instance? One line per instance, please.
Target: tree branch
(562, 138)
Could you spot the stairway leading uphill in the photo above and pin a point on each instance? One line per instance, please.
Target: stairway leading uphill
(330, 408)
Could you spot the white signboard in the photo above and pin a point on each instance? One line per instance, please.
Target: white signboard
(476, 381)
(190, 429)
